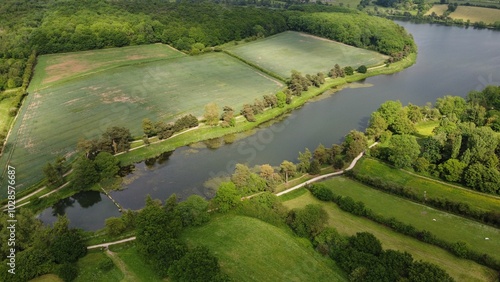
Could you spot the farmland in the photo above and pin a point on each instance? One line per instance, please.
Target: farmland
(375, 168)
(251, 250)
(305, 53)
(348, 224)
(476, 14)
(421, 217)
(55, 117)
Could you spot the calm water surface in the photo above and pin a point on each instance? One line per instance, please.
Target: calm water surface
(451, 60)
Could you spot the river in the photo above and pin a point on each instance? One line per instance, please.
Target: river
(451, 60)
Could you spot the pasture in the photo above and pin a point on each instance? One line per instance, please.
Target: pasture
(374, 168)
(55, 117)
(59, 67)
(251, 250)
(437, 9)
(348, 224)
(443, 225)
(476, 14)
(89, 269)
(287, 51)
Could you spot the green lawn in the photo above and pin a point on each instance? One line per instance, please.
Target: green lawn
(375, 168)
(88, 269)
(129, 255)
(47, 278)
(305, 53)
(54, 118)
(443, 225)
(348, 224)
(251, 250)
(425, 129)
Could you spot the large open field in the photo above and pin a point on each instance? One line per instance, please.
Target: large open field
(251, 250)
(434, 189)
(445, 226)
(476, 14)
(305, 53)
(348, 224)
(55, 117)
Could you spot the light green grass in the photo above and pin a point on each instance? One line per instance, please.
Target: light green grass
(437, 9)
(47, 278)
(476, 14)
(251, 250)
(375, 168)
(448, 227)
(88, 269)
(5, 105)
(425, 129)
(348, 224)
(61, 67)
(305, 53)
(54, 118)
(129, 255)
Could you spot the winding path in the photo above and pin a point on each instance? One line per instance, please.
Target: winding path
(321, 177)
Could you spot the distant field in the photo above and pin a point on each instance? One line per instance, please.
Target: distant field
(446, 226)
(305, 53)
(252, 250)
(438, 9)
(348, 224)
(476, 14)
(54, 118)
(375, 168)
(425, 128)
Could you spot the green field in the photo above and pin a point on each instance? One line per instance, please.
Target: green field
(305, 53)
(348, 224)
(60, 67)
(374, 168)
(251, 250)
(476, 14)
(88, 269)
(443, 225)
(55, 117)
(134, 263)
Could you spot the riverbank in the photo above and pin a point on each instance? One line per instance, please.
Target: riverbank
(209, 132)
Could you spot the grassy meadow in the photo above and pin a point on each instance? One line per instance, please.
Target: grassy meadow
(434, 189)
(348, 224)
(437, 9)
(476, 14)
(88, 269)
(55, 117)
(251, 250)
(443, 225)
(305, 53)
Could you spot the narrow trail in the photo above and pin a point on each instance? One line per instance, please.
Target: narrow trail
(321, 177)
(128, 275)
(106, 245)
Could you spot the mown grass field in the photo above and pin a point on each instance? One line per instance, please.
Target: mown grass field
(47, 278)
(443, 225)
(305, 53)
(476, 14)
(129, 255)
(437, 9)
(375, 168)
(54, 68)
(348, 224)
(55, 117)
(88, 269)
(425, 129)
(252, 250)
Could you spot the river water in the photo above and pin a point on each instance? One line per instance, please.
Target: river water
(451, 60)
